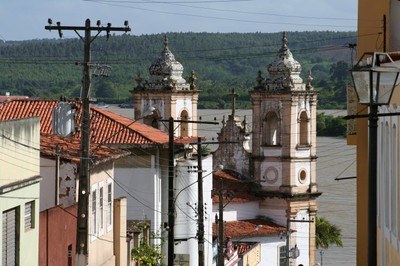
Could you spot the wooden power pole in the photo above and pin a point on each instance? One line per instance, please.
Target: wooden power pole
(200, 233)
(220, 260)
(82, 257)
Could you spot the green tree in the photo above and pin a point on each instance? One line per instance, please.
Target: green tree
(105, 89)
(340, 71)
(327, 234)
(328, 125)
(146, 254)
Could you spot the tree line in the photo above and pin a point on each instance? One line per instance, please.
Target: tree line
(49, 68)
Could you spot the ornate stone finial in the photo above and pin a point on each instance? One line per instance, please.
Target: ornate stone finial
(284, 40)
(260, 80)
(309, 79)
(223, 121)
(138, 80)
(166, 42)
(192, 80)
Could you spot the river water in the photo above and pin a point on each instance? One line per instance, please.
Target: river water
(335, 160)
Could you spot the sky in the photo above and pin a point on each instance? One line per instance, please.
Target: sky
(26, 19)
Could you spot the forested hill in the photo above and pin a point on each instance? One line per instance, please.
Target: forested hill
(50, 68)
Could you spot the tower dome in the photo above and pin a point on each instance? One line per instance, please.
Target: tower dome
(284, 71)
(166, 69)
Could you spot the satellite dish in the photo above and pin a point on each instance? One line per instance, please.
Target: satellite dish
(63, 119)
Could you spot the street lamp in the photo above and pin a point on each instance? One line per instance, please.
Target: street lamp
(375, 76)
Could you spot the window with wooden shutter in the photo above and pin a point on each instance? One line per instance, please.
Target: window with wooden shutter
(29, 215)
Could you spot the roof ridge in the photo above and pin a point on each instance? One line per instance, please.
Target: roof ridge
(128, 125)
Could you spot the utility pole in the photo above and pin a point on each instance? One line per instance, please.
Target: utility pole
(84, 165)
(171, 200)
(171, 205)
(200, 203)
(292, 253)
(171, 174)
(288, 240)
(220, 223)
(384, 33)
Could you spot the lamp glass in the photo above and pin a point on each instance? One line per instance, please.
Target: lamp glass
(362, 85)
(379, 71)
(384, 82)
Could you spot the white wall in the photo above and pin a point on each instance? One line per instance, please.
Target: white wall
(144, 198)
(186, 225)
(238, 211)
(302, 236)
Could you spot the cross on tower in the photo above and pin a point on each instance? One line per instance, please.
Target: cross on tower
(233, 96)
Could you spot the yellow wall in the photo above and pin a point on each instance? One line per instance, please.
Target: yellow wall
(370, 23)
(252, 257)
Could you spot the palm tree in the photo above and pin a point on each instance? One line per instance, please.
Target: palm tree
(327, 234)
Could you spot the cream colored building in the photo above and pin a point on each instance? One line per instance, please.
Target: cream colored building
(370, 39)
(19, 191)
(284, 150)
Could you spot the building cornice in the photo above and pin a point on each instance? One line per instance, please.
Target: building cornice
(19, 184)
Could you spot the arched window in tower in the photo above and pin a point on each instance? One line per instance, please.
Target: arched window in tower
(271, 129)
(303, 129)
(184, 126)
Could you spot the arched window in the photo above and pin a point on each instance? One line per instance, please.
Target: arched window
(184, 126)
(271, 129)
(303, 129)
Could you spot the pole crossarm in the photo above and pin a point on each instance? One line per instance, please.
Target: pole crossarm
(100, 29)
(348, 117)
(192, 122)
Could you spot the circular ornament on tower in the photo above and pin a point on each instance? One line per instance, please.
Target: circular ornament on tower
(271, 175)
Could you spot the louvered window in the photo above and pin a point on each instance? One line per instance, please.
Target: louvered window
(29, 215)
(10, 237)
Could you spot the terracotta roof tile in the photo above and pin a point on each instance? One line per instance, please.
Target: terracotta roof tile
(244, 247)
(249, 228)
(106, 127)
(70, 149)
(241, 190)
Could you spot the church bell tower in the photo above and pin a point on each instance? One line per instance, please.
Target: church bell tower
(167, 94)
(284, 148)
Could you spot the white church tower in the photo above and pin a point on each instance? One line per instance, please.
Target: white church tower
(168, 93)
(284, 151)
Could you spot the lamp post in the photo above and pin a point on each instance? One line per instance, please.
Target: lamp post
(375, 76)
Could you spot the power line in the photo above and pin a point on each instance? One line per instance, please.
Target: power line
(225, 18)
(166, 2)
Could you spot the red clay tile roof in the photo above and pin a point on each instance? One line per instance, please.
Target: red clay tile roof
(249, 228)
(241, 190)
(111, 128)
(107, 127)
(70, 149)
(244, 247)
